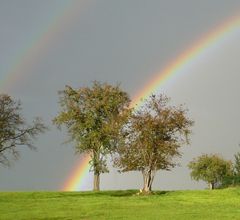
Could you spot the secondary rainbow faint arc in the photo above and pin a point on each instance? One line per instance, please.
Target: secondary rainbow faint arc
(22, 64)
(214, 37)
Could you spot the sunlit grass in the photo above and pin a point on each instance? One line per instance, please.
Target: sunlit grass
(217, 204)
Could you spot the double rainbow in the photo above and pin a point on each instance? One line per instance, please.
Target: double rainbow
(38, 47)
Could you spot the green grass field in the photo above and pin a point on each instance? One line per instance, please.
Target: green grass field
(217, 204)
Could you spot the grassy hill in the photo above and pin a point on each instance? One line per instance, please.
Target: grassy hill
(217, 204)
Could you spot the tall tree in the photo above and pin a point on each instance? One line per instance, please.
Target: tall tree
(93, 117)
(210, 168)
(153, 138)
(14, 130)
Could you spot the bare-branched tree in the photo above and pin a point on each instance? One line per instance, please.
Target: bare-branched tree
(14, 130)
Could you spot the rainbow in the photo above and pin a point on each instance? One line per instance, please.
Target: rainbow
(80, 173)
(24, 62)
(175, 67)
(188, 56)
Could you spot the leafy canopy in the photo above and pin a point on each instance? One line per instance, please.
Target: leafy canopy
(93, 117)
(153, 136)
(210, 168)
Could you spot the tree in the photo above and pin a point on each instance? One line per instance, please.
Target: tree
(93, 117)
(14, 130)
(210, 168)
(237, 164)
(234, 178)
(153, 138)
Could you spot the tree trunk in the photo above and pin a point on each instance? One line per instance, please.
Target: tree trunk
(96, 181)
(148, 176)
(211, 185)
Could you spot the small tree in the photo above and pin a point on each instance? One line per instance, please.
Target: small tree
(210, 168)
(153, 138)
(93, 117)
(14, 130)
(234, 178)
(237, 164)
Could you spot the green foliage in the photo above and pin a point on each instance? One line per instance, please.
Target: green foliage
(230, 181)
(210, 168)
(154, 135)
(93, 117)
(14, 130)
(218, 204)
(237, 164)
(234, 178)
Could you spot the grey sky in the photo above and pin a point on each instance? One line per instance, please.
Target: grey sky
(125, 41)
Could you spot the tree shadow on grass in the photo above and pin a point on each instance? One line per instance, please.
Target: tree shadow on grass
(161, 192)
(122, 193)
(112, 193)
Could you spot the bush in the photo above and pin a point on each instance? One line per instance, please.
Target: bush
(230, 181)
